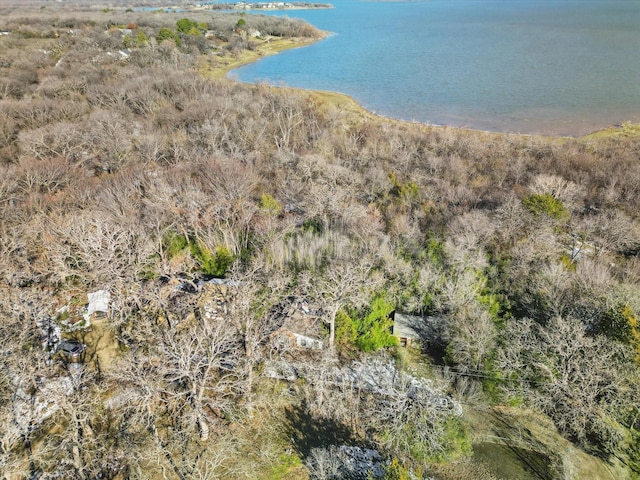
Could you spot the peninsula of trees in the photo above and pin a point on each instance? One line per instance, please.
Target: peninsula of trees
(243, 252)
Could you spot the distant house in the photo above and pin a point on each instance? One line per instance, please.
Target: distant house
(218, 281)
(302, 341)
(125, 53)
(299, 326)
(407, 328)
(284, 337)
(416, 328)
(78, 315)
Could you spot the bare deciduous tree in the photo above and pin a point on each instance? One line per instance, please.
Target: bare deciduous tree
(471, 337)
(342, 283)
(180, 384)
(325, 463)
(571, 375)
(612, 232)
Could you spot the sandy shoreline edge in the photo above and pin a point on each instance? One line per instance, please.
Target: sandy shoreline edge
(346, 102)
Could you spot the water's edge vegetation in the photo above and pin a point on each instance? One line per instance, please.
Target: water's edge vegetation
(252, 247)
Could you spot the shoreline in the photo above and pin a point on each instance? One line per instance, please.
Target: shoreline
(338, 99)
(271, 46)
(345, 101)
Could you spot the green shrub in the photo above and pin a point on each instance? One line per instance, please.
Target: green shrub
(346, 329)
(174, 243)
(546, 204)
(270, 204)
(167, 34)
(369, 333)
(622, 324)
(435, 252)
(216, 263)
(633, 451)
(408, 193)
(456, 441)
(190, 27)
(396, 471)
(313, 225)
(141, 39)
(374, 330)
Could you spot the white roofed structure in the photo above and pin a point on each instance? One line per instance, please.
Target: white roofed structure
(98, 302)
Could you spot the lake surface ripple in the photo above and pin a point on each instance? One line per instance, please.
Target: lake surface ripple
(556, 67)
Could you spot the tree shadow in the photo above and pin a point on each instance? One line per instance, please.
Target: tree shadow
(307, 431)
(429, 329)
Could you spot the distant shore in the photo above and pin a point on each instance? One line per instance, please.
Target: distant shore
(239, 6)
(265, 6)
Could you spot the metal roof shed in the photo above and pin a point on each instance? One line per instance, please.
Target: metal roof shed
(406, 328)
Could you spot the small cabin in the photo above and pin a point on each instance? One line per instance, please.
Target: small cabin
(407, 328)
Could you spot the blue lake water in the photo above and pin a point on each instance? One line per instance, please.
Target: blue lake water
(564, 67)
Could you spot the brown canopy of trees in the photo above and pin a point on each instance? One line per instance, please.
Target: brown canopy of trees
(134, 173)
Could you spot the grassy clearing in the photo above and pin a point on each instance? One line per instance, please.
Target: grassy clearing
(344, 103)
(521, 444)
(103, 348)
(624, 131)
(262, 447)
(512, 443)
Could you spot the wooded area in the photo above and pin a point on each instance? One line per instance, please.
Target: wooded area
(124, 168)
